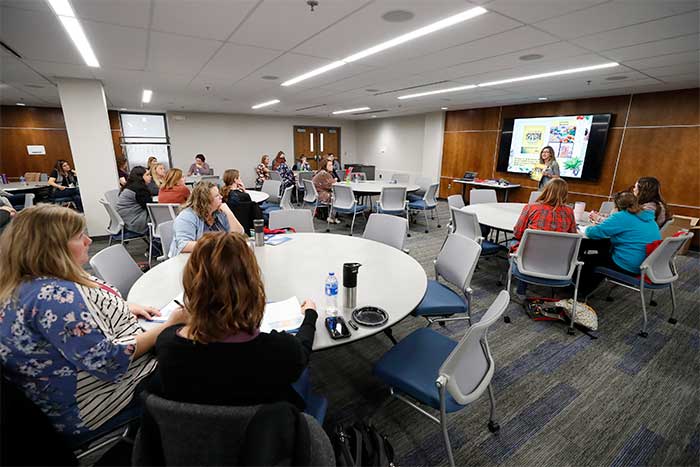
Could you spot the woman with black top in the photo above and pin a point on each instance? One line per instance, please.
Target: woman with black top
(220, 356)
(234, 195)
(64, 183)
(133, 197)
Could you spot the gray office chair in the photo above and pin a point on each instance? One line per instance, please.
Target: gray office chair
(116, 266)
(477, 196)
(116, 225)
(606, 207)
(159, 213)
(112, 197)
(179, 439)
(427, 203)
(455, 201)
(392, 200)
(166, 238)
(466, 224)
(286, 201)
(401, 178)
(533, 197)
(344, 203)
(275, 175)
(210, 178)
(299, 219)
(387, 229)
(272, 188)
(29, 200)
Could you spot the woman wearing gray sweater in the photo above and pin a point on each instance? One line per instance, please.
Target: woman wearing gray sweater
(131, 204)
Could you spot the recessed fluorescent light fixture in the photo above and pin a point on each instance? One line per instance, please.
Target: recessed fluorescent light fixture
(146, 97)
(443, 108)
(415, 34)
(438, 91)
(347, 111)
(70, 23)
(21, 104)
(541, 98)
(551, 73)
(265, 104)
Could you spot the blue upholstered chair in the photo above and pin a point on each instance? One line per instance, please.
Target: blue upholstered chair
(428, 203)
(455, 264)
(344, 203)
(443, 374)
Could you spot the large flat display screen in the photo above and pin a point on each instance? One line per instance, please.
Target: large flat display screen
(578, 142)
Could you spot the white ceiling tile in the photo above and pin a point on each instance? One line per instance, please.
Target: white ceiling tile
(13, 70)
(606, 17)
(173, 53)
(653, 49)
(39, 5)
(688, 23)
(288, 66)
(665, 60)
(237, 61)
(117, 46)
(532, 11)
(210, 19)
(135, 13)
(63, 70)
(672, 70)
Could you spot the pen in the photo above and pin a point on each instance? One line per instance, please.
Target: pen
(177, 302)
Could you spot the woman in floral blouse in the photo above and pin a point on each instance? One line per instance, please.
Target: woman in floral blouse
(68, 340)
(262, 172)
(286, 174)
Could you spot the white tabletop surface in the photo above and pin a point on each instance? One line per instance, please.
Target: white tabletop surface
(257, 196)
(494, 185)
(376, 186)
(17, 186)
(300, 267)
(504, 216)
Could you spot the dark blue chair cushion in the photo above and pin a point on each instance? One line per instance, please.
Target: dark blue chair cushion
(128, 235)
(414, 197)
(412, 365)
(440, 300)
(419, 204)
(538, 280)
(393, 213)
(357, 208)
(627, 279)
(491, 248)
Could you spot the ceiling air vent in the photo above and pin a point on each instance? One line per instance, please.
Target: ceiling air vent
(412, 87)
(310, 107)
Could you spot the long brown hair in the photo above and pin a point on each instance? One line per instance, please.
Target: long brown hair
(279, 159)
(551, 159)
(626, 201)
(554, 193)
(172, 178)
(230, 177)
(26, 254)
(649, 191)
(224, 291)
(200, 199)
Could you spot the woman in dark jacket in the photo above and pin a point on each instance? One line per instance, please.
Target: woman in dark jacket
(133, 197)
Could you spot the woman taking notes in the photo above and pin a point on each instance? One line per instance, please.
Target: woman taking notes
(203, 212)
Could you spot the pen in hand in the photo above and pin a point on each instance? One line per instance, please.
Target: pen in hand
(180, 304)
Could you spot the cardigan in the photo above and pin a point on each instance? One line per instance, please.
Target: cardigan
(189, 227)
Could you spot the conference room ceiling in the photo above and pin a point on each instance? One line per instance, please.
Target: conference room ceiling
(223, 55)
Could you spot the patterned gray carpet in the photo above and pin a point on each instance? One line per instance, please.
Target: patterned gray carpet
(617, 400)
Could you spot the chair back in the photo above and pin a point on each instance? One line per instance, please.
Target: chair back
(533, 197)
(387, 229)
(658, 266)
(299, 219)
(166, 236)
(469, 367)
(457, 260)
(306, 175)
(310, 193)
(423, 183)
(606, 207)
(112, 196)
(5, 202)
(32, 176)
(466, 224)
(477, 196)
(455, 201)
(29, 200)
(225, 428)
(272, 188)
(401, 178)
(160, 213)
(392, 198)
(430, 196)
(343, 197)
(275, 175)
(359, 177)
(549, 255)
(43, 177)
(210, 178)
(286, 201)
(116, 223)
(116, 266)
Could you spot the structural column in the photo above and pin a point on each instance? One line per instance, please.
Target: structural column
(87, 123)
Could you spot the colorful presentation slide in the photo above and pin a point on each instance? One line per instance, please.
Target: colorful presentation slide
(568, 136)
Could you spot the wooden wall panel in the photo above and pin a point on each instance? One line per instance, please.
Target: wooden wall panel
(474, 119)
(12, 116)
(617, 105)
(666, 108)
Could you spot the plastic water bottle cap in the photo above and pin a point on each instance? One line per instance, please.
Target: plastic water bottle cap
(331, 274)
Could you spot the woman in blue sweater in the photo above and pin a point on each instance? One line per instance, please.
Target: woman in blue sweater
(630, 230)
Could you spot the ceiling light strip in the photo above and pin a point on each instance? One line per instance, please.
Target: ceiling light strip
(265, 104)
(66, 15)
(146, 96)
(347, 111)
(415, 34)
(438, 91)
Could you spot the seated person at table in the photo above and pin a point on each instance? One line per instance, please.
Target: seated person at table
(122, 170)
(323, 181)
(234, 194)
(302, 165)
(648, 193)
(630, 230)
(69, 341)
(220, 356)
(6, 215)
(200, 167)
(64, 183)
(336, 167)
(287, 176)
(262, 172)
(203, 212)
(157, 172)
(173, 189)
(548, 212)
(133, 197)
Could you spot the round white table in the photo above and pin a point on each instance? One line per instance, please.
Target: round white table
(375, 187)
(504, 216)
(257, 196)
(389, 278)
(23, 187)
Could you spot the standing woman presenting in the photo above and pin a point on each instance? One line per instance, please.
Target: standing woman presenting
(551, 170)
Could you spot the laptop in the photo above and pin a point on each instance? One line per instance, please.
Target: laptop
(469, 176)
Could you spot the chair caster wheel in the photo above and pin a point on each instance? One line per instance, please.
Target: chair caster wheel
(506, 319)
(609, 299)
(408, 235)
(439, 226)
(499, 283)
(427, 231)
(328, 230)
(441, 323)
(570, 332)
(652, 303)
(494, 427)
(643, 334)
(672, 320)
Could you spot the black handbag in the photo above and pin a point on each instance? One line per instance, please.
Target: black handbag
(360, 444)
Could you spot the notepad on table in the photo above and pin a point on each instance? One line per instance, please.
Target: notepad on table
(274, 240)
(282, 316)
(169, 308)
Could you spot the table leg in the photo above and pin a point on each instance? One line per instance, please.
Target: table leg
(505, 196)
(464, 192)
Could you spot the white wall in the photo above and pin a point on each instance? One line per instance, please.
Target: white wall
(411, 144)
(237, 141)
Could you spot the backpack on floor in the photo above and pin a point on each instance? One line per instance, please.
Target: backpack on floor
(361, 444)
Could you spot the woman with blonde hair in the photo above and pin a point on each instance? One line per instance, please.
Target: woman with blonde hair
(68, 340)
(203, 212)
(157, 172)
(225, 301)
(173, 189)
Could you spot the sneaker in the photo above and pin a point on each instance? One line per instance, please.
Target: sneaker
(330, 220)
(336, 220)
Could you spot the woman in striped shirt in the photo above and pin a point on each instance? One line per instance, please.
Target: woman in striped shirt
(68, 340)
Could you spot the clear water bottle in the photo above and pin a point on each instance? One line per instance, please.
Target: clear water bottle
(23, 180)
(331, 295)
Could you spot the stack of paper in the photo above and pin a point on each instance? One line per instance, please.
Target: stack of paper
(282, 316)
(169, 308)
